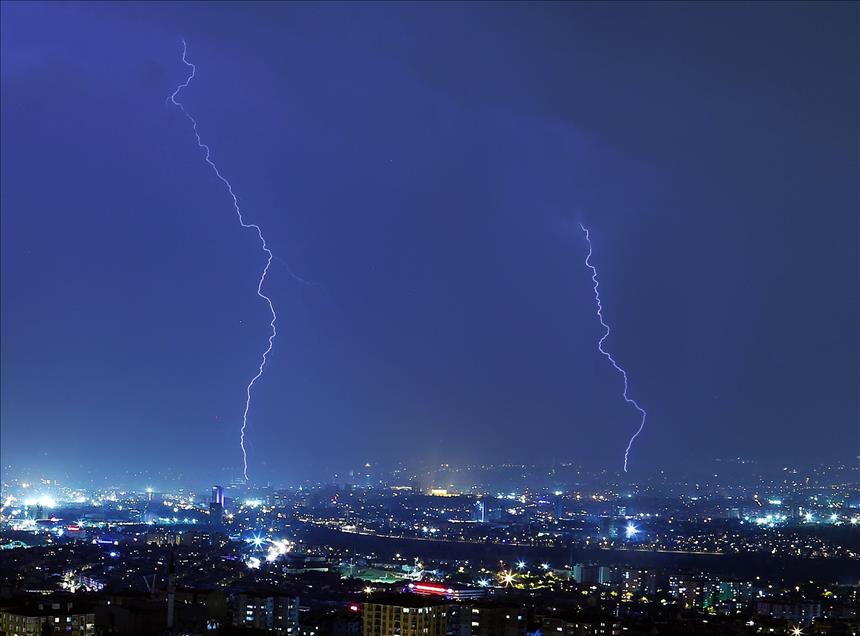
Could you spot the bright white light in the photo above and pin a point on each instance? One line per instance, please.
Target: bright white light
(521, 565)
(834, 517)
(631, 530)
(253, 563)
(46, 501)
(278, 548)
(807, 517)
(253, 503)
(544, 566)
(484, 583)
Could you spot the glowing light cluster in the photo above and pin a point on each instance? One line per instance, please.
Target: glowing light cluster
(278, 548)
(431, 588)
(507, 577)
(46, 501)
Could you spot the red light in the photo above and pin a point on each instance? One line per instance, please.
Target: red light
(353, 608)
(73, 528)
(431, 589)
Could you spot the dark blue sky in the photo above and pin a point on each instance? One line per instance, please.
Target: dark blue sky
(428, 165)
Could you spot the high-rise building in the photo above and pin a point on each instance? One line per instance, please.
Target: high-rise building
(406, 615)
(216, 507)
(584, 573)
(636, 581)
(487, 619)
(275, 613)
(693, 591)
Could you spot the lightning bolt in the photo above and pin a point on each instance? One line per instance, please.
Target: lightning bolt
(252, 226)
(608, 355)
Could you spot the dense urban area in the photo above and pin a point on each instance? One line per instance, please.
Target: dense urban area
(502, 550)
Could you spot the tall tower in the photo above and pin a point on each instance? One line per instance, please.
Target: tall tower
(216, 507)
(480, 511)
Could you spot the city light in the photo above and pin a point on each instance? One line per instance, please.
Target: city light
(507, 578)
(465, 190)
(278, 548)
(430, 588)
(46, 501)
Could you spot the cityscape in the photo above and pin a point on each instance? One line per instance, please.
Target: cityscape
(415, 318)
(453, 548)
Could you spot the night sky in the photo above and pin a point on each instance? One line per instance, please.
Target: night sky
(428, 166)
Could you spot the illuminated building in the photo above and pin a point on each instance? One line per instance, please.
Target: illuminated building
(634, 581)
(480, 513)
(406, 616)
(794, 611)
(216, 507)
(274, 613)
(693, 591)
(558, 510)
(48, 617)
(592, 574)
(487, 620)
(580, 626)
